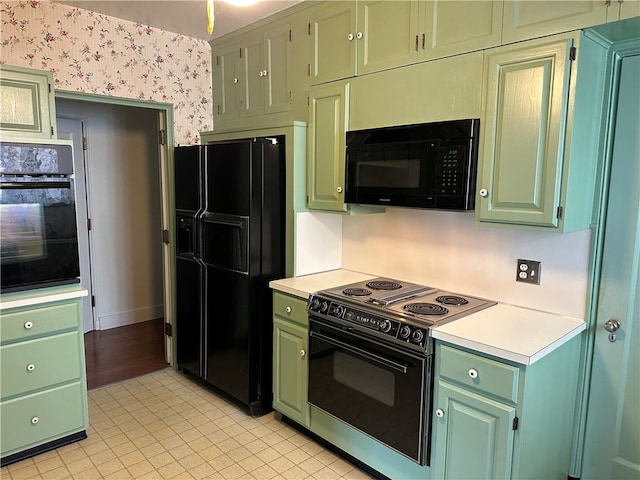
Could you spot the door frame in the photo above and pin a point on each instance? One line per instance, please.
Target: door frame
(607, 48)
(165, 162)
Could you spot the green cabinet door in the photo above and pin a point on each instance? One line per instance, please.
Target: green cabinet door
(451, 28)
(252, 73)
(333, 30)
(328, 120)
(525, 116)
(387, 34)
(524, 19)
(27, 103)
(472, 435)
(225, 81)
(276, 74)
(290, 370)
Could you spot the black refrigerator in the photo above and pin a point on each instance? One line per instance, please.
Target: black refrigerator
(230, 240)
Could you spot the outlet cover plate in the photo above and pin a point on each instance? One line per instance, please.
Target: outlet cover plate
(528, 271)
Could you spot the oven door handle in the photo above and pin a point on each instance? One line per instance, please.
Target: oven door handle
(359, 351)
(33, 185)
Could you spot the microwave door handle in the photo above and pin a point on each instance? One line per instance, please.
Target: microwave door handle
(33, 185)
(358, 351)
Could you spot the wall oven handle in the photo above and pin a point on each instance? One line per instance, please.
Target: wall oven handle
(371, 356)
(33, 185)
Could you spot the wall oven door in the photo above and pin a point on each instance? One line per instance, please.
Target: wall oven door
(380, 390)
(39, 246)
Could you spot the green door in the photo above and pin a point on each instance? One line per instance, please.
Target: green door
(612, 442)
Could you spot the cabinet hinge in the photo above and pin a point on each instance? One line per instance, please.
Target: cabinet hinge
(167, 330)
(559, 212)
(217, 59)
(290, 35)
(240, 52)
(608, 3)
(162, 136)
(308, 69)
(52, 131)
(49, 87)
(308, 28)
(290, 97)
(515, 423)
(218, 109)
(84, 143)
(165, 236)
(416, 43)
(88, 224)
(93, 300)
(572, 53)
(308, 102)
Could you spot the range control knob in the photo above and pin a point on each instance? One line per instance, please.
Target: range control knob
(405, 331)
(417, 335)
(339, 311)
(324, 307)
(315, 304)
(385, 326)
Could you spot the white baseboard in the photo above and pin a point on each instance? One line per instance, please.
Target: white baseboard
(113, 320)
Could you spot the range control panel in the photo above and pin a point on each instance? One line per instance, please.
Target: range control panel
(385, 327)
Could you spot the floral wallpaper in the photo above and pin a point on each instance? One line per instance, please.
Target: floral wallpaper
(90, 52)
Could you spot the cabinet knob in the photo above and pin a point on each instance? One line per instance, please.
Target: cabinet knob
(264, 73)
(350, 37)
(473, 373)
(35, 420)
(302, 353)
(359, 35)
(484, 192)
(31, 367)
(235, 80)
(439, 413)
(28, 325)
(339, 189)
(288, 309)
(611, 325)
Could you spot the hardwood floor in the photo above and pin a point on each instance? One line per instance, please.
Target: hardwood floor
(124, 352)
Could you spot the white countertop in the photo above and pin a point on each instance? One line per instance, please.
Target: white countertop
(509, 332)
(44, 295)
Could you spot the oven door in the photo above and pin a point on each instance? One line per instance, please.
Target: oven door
(377, 389)
(39, 246)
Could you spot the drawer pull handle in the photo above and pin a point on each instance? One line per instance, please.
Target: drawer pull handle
(288, 309)
(28, 325)
(35, 420)
(473, 373)
(439, 413)
(31, 367)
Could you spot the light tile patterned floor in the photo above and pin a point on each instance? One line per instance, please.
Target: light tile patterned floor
(165, 426)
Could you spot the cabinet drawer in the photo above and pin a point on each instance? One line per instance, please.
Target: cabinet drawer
(292, 308)
(479, 373)
(39, 321)
(35, 419)
(39, 363)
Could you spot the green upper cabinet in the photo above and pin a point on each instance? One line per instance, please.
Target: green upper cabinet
(524, 170)
(252, 74)
(328, 121)
(27, 103)
(276, 74)
(524, 19)
(332, 27)
(225, 79)
(365, 36)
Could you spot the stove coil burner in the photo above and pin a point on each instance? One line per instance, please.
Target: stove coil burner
(452, 300)
(425, 309)
(357, 292)
(383, 285)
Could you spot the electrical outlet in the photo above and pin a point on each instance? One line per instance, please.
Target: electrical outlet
(528, 271)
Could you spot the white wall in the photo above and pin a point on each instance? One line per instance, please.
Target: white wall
(446, 250)
(124, 188)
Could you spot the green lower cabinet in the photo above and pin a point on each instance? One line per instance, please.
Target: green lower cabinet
(473, 434)
(290, 345)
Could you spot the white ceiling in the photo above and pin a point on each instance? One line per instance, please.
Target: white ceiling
(188, 17)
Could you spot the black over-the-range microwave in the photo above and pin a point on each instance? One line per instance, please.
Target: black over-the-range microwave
(429, 165)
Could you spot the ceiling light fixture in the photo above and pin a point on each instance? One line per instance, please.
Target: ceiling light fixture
(211, 14)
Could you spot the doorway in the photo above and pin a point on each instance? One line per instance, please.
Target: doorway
(120, 175)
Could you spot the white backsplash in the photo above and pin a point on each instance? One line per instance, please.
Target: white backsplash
(447, 250)
(318, 244)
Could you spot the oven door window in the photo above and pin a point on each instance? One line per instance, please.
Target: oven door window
(376, 389)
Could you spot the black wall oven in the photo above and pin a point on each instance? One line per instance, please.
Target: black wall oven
(39, 246)
(382, 390)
